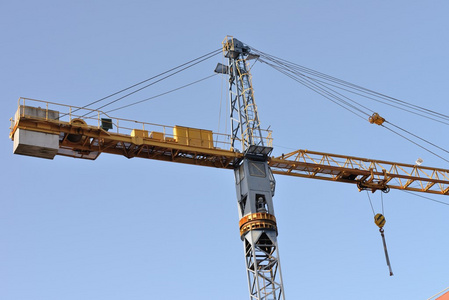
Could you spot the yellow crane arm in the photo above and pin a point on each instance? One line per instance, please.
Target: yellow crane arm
(366, 173)
(79, 140)
(88, 137)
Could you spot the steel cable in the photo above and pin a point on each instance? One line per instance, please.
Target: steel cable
(325, 84)
(162, 94)
(298, 68)
(208, 55)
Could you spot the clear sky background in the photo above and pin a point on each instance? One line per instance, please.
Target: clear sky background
(138, 229)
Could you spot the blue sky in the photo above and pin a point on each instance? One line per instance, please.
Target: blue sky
(139, 229)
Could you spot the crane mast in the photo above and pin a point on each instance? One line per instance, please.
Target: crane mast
(255, 184)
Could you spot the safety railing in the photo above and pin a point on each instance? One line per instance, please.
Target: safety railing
(51, 111)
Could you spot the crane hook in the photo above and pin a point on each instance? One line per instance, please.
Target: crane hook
(379, 219)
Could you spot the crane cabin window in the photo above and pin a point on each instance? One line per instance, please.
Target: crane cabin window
(257, 168)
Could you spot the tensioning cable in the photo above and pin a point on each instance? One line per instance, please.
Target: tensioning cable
(188, 64)
(327, 86)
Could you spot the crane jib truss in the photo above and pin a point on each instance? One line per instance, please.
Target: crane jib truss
(301, 163)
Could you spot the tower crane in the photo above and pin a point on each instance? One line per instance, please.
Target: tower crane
(45, 129)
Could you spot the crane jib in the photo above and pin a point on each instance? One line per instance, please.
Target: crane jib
(153, 141)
